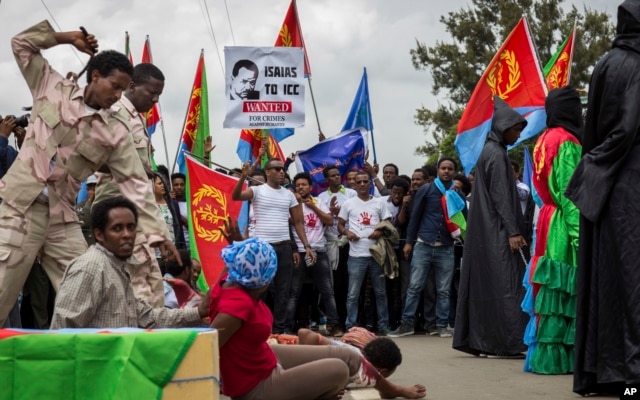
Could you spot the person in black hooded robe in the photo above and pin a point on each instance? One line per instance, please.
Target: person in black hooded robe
(489, 320)
(606, 189)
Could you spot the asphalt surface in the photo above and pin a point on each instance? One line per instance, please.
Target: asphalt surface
(453, 375)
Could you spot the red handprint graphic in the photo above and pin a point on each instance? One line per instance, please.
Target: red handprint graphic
(366, 218)
(311, 220)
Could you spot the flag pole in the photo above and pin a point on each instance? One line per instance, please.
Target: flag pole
(313, 99)
(164, 136)
(573, 46)
(373, 141)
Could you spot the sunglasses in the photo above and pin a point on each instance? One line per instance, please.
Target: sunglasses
(278, 169)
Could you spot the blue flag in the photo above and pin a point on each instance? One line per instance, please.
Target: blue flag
(360, 113)
(527, 172)
(346, 151)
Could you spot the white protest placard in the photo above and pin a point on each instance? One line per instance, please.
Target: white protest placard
(264, 87)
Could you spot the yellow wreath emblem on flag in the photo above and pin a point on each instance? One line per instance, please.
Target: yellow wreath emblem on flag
(554, 79)
(209, 214)
(541, 151)
(285, 35)
(495, 78)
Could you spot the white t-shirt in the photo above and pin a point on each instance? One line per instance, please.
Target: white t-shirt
(183, 213)
(341, 195)
(251, 226)
(363, 216)
(393, 209)
(313, 227)
(271, 208)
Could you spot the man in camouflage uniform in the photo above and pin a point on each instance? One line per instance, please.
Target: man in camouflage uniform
(72, 133)
(143, 92)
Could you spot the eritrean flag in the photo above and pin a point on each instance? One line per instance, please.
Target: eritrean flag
(127, 48)
(514, 75)
(196, 124)
(152, 116)
(251, 140)
(209, 205)
(290, 35)
(90, 363)
(557, 72)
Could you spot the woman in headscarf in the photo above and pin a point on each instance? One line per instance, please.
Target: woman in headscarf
(250, 368)
(551, 278)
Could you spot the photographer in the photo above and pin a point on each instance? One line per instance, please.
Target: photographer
(7, 153)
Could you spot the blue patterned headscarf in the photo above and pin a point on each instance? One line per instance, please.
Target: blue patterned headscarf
(252, 263)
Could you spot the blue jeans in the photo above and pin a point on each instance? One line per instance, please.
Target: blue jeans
(424, 257)
(358, 269)
(321, 274)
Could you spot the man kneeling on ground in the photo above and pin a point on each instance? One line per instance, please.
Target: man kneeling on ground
(96, 290)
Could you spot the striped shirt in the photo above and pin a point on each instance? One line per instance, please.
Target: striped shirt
(96, 292)
(271, 208)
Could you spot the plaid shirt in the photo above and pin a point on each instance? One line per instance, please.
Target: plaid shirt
(96, 292)
(66, 142)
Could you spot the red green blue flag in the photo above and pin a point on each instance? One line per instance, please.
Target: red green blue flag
(209, 205)
(513, 74)
(557, 72)
(196, 124)
(152, 116)
(290, 35)
(127, 48)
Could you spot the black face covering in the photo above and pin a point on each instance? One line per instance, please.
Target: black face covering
(564, 110)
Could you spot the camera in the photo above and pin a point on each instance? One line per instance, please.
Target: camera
(22, 120)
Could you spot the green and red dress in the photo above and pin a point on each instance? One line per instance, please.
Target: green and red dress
(551, 276)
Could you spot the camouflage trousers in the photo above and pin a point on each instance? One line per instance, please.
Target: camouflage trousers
(23, 237)
(146, 277)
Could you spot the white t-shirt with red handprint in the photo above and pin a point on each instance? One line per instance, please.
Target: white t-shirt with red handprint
(362, 217)
(313, 227)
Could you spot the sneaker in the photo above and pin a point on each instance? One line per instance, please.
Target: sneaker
(335, 331)
(403, 330)
(433, 331)
(443, 332)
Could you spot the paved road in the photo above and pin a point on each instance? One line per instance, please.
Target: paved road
(452, 375)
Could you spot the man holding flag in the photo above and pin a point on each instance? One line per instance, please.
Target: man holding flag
(430, 230)
(273, 205)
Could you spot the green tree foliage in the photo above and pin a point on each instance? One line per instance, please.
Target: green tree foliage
(477, 31)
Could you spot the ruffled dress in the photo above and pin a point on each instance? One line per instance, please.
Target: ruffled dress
(550, 279)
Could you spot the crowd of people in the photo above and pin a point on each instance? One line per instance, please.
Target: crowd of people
(509, 270)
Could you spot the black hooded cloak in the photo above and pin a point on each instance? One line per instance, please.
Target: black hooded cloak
(489, 318)
(606, 189)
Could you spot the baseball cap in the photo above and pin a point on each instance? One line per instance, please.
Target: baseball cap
(92, 180)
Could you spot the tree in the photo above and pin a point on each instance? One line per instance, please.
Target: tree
(477, 31)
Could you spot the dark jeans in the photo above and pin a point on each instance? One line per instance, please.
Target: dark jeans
(320, 273)
(341, 284)
(281, 286)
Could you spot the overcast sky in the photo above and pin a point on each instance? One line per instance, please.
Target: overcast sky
(342, 37)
